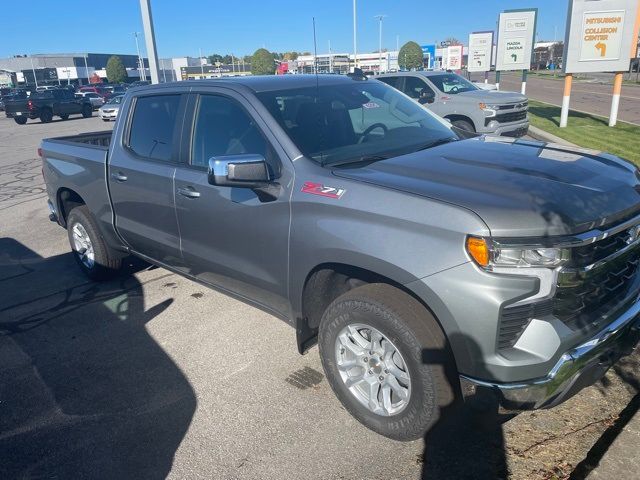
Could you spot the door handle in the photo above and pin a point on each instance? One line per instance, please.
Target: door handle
(188, 192)
(119, 177)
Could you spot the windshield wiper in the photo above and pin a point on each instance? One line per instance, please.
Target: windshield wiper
(435, 143)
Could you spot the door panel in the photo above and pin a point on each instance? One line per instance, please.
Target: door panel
(229, 237)
(141, 178)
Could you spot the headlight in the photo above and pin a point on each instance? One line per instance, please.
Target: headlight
(489, 110)
(490, 255)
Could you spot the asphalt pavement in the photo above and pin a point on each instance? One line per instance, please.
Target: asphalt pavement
(587, 96)
(152, 376)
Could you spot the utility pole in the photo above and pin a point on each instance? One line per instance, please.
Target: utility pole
(86, 69)
(34, 71)
(330, 58)
(150, 40)
(141, 75)
(201, 64)
(380, 18)
(355, 41)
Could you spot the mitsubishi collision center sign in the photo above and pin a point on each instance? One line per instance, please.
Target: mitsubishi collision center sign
(516, 30)
(599, 35)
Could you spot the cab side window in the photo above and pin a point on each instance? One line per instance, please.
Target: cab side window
(391, 81)
(152, 126)
(223, 127)
(418, 89)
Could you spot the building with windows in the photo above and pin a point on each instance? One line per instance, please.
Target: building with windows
(214, 71)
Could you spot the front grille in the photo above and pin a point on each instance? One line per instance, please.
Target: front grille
(589, 254)
(582, 297)
(507, 117)
(514, 319)
(511, 106)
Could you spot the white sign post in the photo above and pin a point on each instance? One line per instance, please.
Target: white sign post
(516, 32)
(454, 57)
(600, 37)
(480, 50)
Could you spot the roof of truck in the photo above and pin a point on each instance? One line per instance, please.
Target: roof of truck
(263, 83)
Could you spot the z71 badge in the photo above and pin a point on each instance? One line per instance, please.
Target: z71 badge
(322, 190)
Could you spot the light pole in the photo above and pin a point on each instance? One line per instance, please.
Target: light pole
(355, 41)
(35, 79)
(141, 75)
(380, 18)
(201, 64)
(86, 69)
(150, 40)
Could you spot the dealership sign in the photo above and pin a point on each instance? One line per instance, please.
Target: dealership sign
(454, 57)
(429, 55)
(516, 30)
(600, 35)
(480, 47)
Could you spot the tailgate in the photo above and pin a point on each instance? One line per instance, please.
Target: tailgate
(15, 106)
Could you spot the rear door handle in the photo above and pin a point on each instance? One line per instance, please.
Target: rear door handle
(119, 177)
(188, 192)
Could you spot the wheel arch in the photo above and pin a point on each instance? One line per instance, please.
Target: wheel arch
(456, 116)
(67, 199)
(327, 281)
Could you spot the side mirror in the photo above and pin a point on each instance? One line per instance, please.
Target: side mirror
(246, 170)
(427, 98)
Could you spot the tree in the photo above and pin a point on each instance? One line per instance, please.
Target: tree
(410, 56)
(262, 62)
(116, 73)
(452, 41)
(215, 58)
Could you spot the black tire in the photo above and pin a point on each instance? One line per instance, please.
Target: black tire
(105, 119)
(463, 125)
(87, 111)
(411, 329)
(64, 116)
(46, 115)
(105, 264)
(20, 120)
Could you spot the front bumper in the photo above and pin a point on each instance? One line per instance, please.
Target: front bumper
(576, 369)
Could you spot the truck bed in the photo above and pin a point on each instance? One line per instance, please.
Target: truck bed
(96, 139)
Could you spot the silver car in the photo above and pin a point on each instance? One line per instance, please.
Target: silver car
(464, 104)
(109, 111)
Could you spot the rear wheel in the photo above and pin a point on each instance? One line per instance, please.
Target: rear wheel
(46, 115)
(20, 120)
(463, 125)
(387, 360)
(90, 251)
(87, 111)
(64, 116)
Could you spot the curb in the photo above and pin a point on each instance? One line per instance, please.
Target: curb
(543, 136)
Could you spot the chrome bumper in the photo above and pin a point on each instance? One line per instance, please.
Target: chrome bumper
(576, 369)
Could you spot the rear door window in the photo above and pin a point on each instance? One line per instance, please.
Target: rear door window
(416, 87)
(152, 127)
(392, 81)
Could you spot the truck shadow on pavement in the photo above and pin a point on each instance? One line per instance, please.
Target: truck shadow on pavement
(467, 441)
(85, 391)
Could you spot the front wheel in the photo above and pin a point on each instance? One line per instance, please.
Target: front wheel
(90, 251)
(46, 115)
(463, 125)
(387, 360)
(20, 120)
(87, 111)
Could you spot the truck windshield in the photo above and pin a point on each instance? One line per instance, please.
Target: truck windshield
(355, 122)
(452, 83)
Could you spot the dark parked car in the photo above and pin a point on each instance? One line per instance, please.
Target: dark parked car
(47, 104)
(427, 267)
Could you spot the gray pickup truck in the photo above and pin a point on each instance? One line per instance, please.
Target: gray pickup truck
(464, 104)
(428, 267)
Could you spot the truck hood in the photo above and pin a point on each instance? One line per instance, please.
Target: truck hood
(518, 187)
(494, 96)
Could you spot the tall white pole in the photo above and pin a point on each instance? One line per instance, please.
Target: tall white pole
(355, 41)
(140, 62)
(150, 40)
(34, 72)
(379, 17)
(86, 69)
(201, 64)
(330, 58)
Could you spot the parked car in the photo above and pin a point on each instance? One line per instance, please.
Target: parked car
(109, 111)
(102, 91)
(467, 106)
(140, 83)
(47, 104)
(12, 94)
(96, 100)
(427, 267)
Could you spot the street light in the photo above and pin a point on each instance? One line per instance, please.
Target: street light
(141, 75)
(380, 18)
(355, 47)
